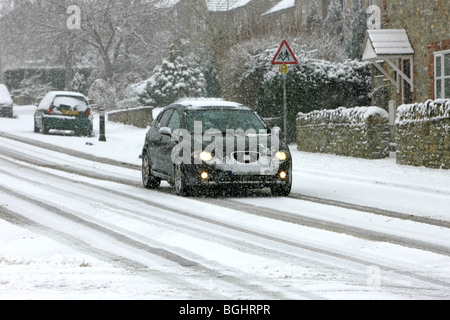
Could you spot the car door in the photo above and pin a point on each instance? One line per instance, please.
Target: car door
(156, 141)
(167, 144)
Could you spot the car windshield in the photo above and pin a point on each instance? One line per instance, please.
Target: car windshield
(223, 120)
(75, 103)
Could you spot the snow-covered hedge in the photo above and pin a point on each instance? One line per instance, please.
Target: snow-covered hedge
(356, 115)
(439, 108)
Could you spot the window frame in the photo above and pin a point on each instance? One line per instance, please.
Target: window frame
(445, 91)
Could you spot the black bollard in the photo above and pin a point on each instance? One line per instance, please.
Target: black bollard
(102, 137)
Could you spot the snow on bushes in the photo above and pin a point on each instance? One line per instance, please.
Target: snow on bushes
(177, 77)
(439, 108)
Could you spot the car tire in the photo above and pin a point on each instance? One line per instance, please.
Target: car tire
(148, 179)
(45, 128)
(180, 182)
(36, 129)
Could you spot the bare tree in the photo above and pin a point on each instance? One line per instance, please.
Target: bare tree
(114, 29)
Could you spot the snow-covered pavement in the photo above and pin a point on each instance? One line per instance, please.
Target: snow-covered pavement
(69, 230)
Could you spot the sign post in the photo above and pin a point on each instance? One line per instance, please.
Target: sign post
(284, 57)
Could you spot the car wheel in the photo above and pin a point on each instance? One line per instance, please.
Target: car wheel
(148, 179)
(180, 182)
(36, 129)
(282, 190)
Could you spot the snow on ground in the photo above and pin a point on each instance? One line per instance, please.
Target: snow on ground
(29, 260)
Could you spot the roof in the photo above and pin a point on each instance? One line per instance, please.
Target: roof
(283, 5)
(387, 42)
(225, 5)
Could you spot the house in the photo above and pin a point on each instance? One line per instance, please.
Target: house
(423, 73)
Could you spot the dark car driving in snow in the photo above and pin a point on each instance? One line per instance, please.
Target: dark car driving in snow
(196, 144)
(64, 111)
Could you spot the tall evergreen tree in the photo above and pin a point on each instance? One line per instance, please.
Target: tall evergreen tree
(175, 78)
(358, 32)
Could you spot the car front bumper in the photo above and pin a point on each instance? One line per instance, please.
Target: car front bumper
(222, 176)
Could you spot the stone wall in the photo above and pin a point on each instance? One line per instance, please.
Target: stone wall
(423, 137)
(361, 132)
(138, 117)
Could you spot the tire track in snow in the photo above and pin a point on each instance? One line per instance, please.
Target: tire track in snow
(341, 204)
(274, 215)
(331, 226)
(187, 263)
(226, 203)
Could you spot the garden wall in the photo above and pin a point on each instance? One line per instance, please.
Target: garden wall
(361, 132)
(139, 117)
(422, 136)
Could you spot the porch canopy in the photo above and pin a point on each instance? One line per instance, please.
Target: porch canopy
(391, 46)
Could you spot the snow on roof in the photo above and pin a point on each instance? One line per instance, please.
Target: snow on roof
(387, 42)
(225, 5)
(284, 4)
(5, 97)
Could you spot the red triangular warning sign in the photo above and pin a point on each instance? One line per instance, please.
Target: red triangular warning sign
(284, 55)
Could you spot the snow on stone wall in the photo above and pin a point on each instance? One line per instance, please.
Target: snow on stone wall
(361, 132)
(422, 134)
(354, 115)
(439, 108)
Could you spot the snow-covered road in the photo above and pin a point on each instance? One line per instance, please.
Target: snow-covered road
(75, 227)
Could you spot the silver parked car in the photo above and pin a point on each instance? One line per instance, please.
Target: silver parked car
(6, 102)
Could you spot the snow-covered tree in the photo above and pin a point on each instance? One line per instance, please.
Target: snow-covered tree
(79, 83)
(177, 77)
(314, 21)
(358, 32)
(333, 23)
(103, 94)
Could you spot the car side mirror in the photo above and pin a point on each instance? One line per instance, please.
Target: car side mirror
(166, 131)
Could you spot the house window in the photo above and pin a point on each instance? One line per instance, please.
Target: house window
(442, 74)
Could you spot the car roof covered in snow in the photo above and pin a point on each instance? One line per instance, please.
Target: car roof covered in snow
(67, 93)
(50, 96)
(201, 104)
(5, 97)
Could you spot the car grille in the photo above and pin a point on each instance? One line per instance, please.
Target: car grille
(246, 157)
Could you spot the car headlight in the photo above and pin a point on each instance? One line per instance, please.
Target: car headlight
(281, 156)
(206, 156)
